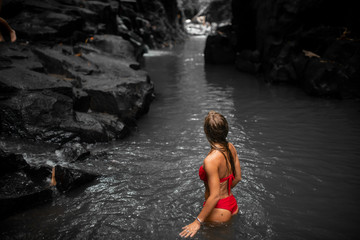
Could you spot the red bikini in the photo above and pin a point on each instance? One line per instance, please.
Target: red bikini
(228, 203)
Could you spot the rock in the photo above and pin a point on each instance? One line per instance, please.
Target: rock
(68, 67)
(81, 100)
(73, 152)
(10, 162)
(27, 80)
(35, 115)
(118, 89)
(12, 205)
(21, 185)
(220, 49)
(46, 105)
(67, 179)
(322, 78)
(248, 61)
(166, 26)
(96, 127)
(281, 30)
(115, 45)
(50, 22)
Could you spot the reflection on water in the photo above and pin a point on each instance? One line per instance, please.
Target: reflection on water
(299, 158)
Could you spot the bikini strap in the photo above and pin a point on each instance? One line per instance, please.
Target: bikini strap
(229, 178)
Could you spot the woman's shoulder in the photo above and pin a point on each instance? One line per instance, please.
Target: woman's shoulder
(213, 158)
(232, 147)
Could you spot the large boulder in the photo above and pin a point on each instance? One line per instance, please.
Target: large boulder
(220, 47)
(91, 92)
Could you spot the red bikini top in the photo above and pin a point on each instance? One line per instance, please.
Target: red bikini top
(202, 175)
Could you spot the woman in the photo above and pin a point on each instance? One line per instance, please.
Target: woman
(220, 172)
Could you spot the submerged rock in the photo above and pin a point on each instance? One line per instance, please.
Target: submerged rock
(67, 179)
(73, 152)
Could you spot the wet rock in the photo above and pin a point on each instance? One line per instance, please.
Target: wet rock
(96, 127)
(76, 20)
(19, 79)
(52, 20)
(109, 89)
(35, 115)
(248, 61)
(81, 100)
(12, 205)
(115, 45)
(166, 25)
(11, 162)
(73, 152)
(320, 77)
(118, 89)
(21, 186)
(67, 179)
(220, 48)
(281, 30)
(66, 66)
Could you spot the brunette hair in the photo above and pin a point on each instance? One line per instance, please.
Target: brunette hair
(216, 129)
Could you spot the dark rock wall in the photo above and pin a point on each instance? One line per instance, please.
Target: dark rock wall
(154, 23)
(313, 44)
(73, 73)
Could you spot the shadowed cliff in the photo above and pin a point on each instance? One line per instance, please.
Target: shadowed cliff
(312, 44)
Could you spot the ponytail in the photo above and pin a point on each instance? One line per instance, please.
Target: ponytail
(225, 149)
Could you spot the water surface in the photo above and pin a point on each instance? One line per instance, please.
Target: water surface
(299, 157)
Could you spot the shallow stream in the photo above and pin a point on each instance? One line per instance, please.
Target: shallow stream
(299, 157)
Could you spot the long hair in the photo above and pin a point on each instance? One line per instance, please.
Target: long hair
(216, 129)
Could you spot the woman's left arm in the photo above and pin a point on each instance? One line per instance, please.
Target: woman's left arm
(212, 172)
(237, 167)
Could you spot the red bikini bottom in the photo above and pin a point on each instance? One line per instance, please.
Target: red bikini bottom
(228, 203)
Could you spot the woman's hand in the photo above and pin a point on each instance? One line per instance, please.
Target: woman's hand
(191, 229)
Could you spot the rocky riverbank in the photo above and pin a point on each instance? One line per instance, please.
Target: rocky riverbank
(73, 77)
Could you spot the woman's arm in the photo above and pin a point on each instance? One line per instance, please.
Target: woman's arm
(237, 167)
(211, 166)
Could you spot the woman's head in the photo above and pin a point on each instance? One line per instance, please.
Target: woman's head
(216, 128)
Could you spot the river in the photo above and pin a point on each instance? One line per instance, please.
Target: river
(299, 157)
